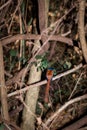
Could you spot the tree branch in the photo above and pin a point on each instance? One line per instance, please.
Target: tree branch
(9, 39)
(45, 81)
(3, 93)
(56, 114)
(78, 124)
(81, 28)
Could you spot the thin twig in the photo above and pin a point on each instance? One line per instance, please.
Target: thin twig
(4, 5)
(27, 108)
(75, 86)
(83, 128)
(68, 72)
(7, 126)
(65, 34)
(19, 3)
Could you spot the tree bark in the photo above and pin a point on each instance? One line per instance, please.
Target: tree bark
(81, 28)
(3, 93)
(31, 97)
(78, 124)
(43, 7)
(32, 93)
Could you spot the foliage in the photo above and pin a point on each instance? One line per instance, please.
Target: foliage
(13, 52)
(42, 62)
(2, 126)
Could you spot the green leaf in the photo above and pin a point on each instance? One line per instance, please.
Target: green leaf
(1, 126)
(30, 21)
(67, 65)
(44, 64)
(38, 57)
(13, 52)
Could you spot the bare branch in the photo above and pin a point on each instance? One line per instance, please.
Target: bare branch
(53, 117)
(45, 81)
(78, 124)
(4, 5)
(9, 39)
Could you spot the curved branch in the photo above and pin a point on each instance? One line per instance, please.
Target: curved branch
(9, 39)
(53, 117)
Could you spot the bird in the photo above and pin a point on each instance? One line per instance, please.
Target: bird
(49, 75)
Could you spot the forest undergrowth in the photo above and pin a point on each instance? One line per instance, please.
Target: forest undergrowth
(45, 40)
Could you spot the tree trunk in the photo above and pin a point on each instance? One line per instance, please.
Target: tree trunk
(31, 99)
(81, 28)
(3, 93)
(32, 93)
